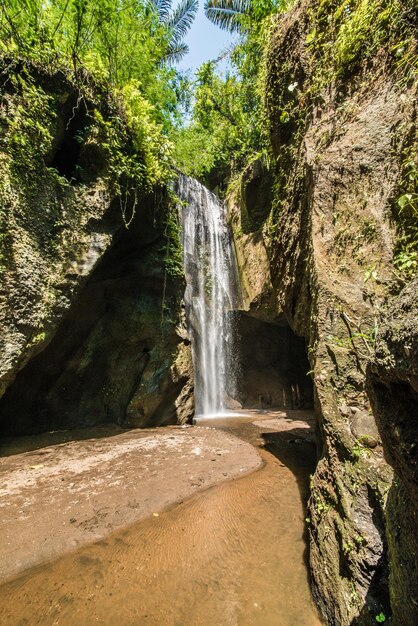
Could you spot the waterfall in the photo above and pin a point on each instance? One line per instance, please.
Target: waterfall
(212, 294)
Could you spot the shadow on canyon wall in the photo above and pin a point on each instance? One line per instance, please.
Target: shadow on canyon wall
(110, 360)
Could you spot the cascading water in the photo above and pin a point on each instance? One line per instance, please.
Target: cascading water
(212, 294)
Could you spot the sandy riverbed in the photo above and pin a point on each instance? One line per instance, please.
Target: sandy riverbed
(230, 555)
(58, 498)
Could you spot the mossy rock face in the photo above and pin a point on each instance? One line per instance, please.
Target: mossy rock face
(393, 384)
(402, 520)
(326, 251)
(256, 195)
(54, 229)
(84, 300)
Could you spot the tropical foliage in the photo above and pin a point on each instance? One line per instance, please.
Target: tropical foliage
(240, 15)
(111, 29)
(227, 127)
(178, 21)
(116, 41)
(228, 14)
(226, 124)
(126, 47)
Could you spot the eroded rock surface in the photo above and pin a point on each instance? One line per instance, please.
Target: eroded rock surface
(322, 257)
(393, 383)
(91, 327)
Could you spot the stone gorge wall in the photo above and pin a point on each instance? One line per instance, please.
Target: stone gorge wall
(91, 323)
(319, 252)
(393, 387)
(274, 366)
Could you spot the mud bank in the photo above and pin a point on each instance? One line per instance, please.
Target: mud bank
(235, 554)
(58, 498)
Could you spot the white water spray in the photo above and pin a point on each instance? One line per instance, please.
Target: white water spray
(212, 294)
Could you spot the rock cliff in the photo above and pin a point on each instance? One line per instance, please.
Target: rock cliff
(319, 249)
(393, 387)
(91, 317)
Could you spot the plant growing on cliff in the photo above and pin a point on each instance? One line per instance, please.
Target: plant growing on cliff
(225, 126)
(148, 136)
(173, 250)
(105, 32)
(114, 53)
(28, 124)
(137, 151)
(359, 340)
(346, 34)
(118, 45)
(406, 215)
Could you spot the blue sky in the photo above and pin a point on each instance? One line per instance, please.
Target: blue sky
(205, 41)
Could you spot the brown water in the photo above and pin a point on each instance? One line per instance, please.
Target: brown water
(233, 555)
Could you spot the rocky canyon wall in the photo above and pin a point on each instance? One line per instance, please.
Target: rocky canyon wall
(91, 317)
(317, 232)
(393, 388)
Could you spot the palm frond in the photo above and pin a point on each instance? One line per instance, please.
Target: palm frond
(182, 18)
(163, 8)
(227, 14)
(176, 52)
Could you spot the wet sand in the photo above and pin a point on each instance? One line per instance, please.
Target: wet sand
(234, 554)
(56, 499)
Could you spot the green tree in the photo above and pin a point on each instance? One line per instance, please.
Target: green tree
(228, 14)
(178, 21)
(226, 125)
(240, 15)
(227, 129)
(116, 41)
(121, 46)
